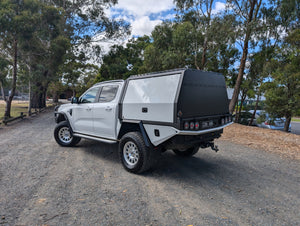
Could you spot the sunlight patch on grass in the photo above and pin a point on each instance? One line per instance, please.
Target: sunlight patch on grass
(295, 119)
(16, 108)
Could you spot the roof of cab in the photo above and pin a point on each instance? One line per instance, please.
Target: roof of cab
(109, 81)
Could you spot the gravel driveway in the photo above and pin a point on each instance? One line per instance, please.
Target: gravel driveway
(44, 184)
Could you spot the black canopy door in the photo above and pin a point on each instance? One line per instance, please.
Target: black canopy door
(202, 94)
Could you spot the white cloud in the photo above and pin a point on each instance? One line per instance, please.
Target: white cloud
(139, 8)
(140, 14)
(143, 26)
(219, 7)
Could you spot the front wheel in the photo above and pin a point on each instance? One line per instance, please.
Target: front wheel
(63, 135)
(133, 153)
(188, 152)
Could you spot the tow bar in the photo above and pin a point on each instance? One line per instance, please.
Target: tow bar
(214, 147)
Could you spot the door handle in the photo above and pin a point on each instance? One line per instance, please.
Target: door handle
(108, 108)
(88, 109)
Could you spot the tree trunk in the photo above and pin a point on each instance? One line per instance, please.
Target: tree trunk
(55, 97)
(239, 78)
(255, 108)
(195, 58)
(2, 91)
(203, 59)
(287, 123)
(243, 59)
(205, 44)
(29, 96)
(14, 81)
(38, 99)
(241, 106)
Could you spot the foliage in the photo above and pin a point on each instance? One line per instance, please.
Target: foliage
(37, 37)
(121, 62)
(283, 89)
(177, 45)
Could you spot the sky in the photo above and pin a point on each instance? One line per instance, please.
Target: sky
(144, 15)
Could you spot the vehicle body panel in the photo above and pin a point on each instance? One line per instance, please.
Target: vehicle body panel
(105, 117)
(146, 99)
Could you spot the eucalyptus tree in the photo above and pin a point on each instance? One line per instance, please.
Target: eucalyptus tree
(18, 19)
(248, 14)
(201, 11)
(79, 27)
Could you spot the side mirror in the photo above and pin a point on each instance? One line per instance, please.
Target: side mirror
(75, 100)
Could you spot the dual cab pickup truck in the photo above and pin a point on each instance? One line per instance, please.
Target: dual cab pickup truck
(182, 110)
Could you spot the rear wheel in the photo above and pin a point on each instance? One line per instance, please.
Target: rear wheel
(188, 152)
(133, 153)
(63, 135)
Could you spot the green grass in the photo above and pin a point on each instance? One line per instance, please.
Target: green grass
(295, 119)
(16, 108)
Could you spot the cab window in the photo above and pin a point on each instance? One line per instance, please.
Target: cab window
(108, 93)
(89, 96)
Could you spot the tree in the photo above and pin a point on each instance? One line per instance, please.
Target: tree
(38, 34)
(17, 23)
(176, 44)
(247, 13)
(201, 10)
(121, 62)
(283, 91)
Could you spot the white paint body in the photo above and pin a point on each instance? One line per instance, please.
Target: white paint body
(167, 132)
(156, 94)
(99, 119)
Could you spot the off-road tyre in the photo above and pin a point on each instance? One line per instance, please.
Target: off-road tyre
(186, 153)
(133, 153)
(63, 135)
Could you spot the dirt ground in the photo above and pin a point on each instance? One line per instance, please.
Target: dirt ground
(42, 183)
(282, 143)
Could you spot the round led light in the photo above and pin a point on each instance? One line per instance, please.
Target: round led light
(222, 121)
(197, 125)
(186, 125)
(192, 125)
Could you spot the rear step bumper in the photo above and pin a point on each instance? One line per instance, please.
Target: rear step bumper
(190, 132)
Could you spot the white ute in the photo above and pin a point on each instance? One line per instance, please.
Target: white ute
(182, 110)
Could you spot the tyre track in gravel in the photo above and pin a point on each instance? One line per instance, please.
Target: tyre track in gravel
(42, 183)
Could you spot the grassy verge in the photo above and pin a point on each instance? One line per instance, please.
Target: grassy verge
(295, 119)
(16, 108)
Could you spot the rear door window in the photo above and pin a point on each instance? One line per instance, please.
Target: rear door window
(108, 93)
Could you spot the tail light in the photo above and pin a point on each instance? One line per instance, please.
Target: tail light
(192, 125)
(197, 125)
(186, 125)
(223, 121)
